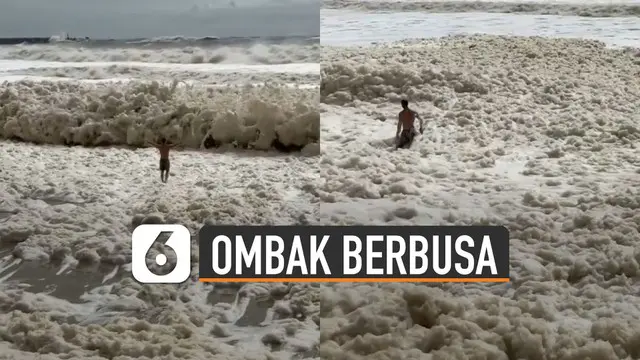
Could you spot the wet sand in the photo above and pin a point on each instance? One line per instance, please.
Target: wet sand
(68, 285)
(72, 284)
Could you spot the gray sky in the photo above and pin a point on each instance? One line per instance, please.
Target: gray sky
(150, 18)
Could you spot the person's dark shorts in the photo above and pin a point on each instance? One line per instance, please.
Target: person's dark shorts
(406, 138)
(164, 164)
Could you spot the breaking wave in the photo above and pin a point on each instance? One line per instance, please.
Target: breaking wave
(263, 118)
(267, 51)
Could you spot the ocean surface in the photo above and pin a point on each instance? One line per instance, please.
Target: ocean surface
(167, 58)
(345, 27)
(531, 113)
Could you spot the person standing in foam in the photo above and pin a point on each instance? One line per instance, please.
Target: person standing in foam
(406, 131)
(163, 147)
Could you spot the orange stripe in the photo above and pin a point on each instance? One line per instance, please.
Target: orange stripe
(356, 280)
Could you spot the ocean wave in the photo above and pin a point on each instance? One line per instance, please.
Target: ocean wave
(608, 9)
(130, 114)
(133, 71)
(169, 50)
(177, 40)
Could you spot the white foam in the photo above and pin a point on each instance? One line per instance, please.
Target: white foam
(536, 134)
(252, 54)
(169, 81)
(298, 68)
(71, 207)
(196, 74)
(135, 113)
(55, 194)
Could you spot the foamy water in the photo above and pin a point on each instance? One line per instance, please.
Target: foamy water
(297, 74)
(343, 27)
(190, 60)
(67, 212)
(538, 134)
(592, 8)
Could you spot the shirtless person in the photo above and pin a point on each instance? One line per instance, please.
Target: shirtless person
(164, 146)
(406, 129)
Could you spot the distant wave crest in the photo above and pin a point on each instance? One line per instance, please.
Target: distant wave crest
(602, 9)
(160, 40)
(173, 49)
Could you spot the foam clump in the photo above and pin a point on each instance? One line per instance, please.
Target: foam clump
(406, 321)
(107, 73)
(426, 70)
(134, 321)
(133, 114)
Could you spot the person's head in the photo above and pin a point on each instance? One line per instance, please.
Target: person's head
(163, 140)
(404, 104)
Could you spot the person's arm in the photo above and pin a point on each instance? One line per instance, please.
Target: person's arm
(152, 144)
(399, 126)
(421, 122)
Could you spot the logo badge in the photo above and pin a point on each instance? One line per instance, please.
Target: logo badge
(179, 241)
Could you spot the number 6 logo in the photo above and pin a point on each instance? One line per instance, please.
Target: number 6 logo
(143, 238)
